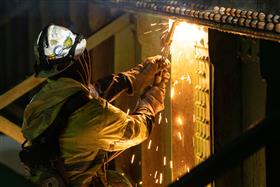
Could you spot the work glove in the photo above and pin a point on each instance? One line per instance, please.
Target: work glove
(143, 74)
(153, 98)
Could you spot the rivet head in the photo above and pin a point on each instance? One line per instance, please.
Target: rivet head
(270, 26)
(277, 27)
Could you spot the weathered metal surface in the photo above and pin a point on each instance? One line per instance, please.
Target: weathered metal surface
(255, 20)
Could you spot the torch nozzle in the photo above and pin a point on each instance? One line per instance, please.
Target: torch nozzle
(170, 34)
(168, 40)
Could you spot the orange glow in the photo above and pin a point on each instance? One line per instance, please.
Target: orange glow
(187, 43)
(188, 33)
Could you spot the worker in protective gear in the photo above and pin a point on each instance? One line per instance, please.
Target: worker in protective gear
(70, 124)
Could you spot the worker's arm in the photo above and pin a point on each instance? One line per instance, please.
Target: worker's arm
(131, 81)
(121, 130)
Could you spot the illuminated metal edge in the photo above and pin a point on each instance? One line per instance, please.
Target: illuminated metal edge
(224, 27)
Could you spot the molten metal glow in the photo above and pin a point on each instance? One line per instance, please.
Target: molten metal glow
(188, 33)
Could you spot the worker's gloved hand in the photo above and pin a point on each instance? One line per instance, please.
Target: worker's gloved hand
(153, 98)
(143, 74)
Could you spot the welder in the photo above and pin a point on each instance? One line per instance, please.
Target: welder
(71, 125)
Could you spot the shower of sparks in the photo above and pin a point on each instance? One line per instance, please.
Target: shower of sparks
(157, 148)
(153, 24)
(128, 110)
(155, 176)
(160, 178)
(148, 32)
(166, 120)
(180, 121)
(164, 160)
(132, 158)
(188, 169)
(171, 164)
(172, 92)
(140, 182)
(149, 145)
(156, 181)
(159, 118)
(179, 135)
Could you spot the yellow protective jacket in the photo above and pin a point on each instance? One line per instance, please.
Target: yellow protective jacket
(96, 126)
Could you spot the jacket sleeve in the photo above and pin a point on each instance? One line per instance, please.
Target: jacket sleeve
(112, 86)
(119, 131)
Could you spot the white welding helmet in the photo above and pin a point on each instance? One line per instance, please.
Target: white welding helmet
(55, 48)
